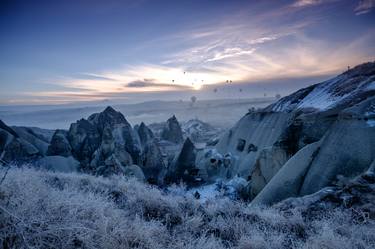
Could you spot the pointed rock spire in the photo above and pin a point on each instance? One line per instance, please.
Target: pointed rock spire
(172, 131)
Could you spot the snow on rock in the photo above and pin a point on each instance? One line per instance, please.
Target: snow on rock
(350, 87)
(199, 131)
(231, 189)
(370, 123)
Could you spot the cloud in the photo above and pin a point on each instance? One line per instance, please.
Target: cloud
(90, 76)
(364, 6)
(150, 83)
(262, 40)
(230, 52)
(304, 3)
(245, 48)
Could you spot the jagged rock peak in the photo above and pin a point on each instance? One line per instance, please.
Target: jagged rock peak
(108, 117)
(183, 166)
(188, 145)
(172, 131)
(109, 109)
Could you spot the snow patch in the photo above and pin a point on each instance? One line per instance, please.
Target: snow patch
(370, 122)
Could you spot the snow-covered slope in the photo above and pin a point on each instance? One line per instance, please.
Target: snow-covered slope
(199, 131)
(344, 90)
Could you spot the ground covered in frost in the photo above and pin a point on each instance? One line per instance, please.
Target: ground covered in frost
(54, 210)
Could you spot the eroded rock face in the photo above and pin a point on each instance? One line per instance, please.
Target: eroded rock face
(145, 134)
(15, 149)
(172, 131)
(268, 163)
(105, 143)
(153, 165)
(122, 131)
(110, 155)
(59, 145)
(300, 144)
(358, 194)
(6, 128)
(214, 166)
(183, 166)
(19, 150)
(84, 139)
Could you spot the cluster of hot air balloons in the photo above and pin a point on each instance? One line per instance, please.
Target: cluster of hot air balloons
(215, 90)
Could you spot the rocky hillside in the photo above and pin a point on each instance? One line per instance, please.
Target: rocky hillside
(104, 144)
(303, 142)
(297, 146)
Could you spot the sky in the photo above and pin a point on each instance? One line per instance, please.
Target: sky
(56, 52)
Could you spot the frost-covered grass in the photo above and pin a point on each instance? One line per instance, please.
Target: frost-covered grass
(55, 210)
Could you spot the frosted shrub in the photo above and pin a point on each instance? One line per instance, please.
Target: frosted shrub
(54, 210)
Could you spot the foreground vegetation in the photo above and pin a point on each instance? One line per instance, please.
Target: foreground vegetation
(54, 210)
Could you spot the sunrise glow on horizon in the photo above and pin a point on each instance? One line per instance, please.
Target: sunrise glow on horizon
(135, 50)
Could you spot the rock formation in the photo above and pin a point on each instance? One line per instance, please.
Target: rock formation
(145, 134)
(172, 131)
(183, 166)
(15, 149)
(105, 143)
(59, 145)
(301, 143)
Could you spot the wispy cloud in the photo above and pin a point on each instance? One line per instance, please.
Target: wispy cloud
(152, 83)
(91, 76)
(364, 6)
(246, 49)
(303, 3)
(231, 52)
